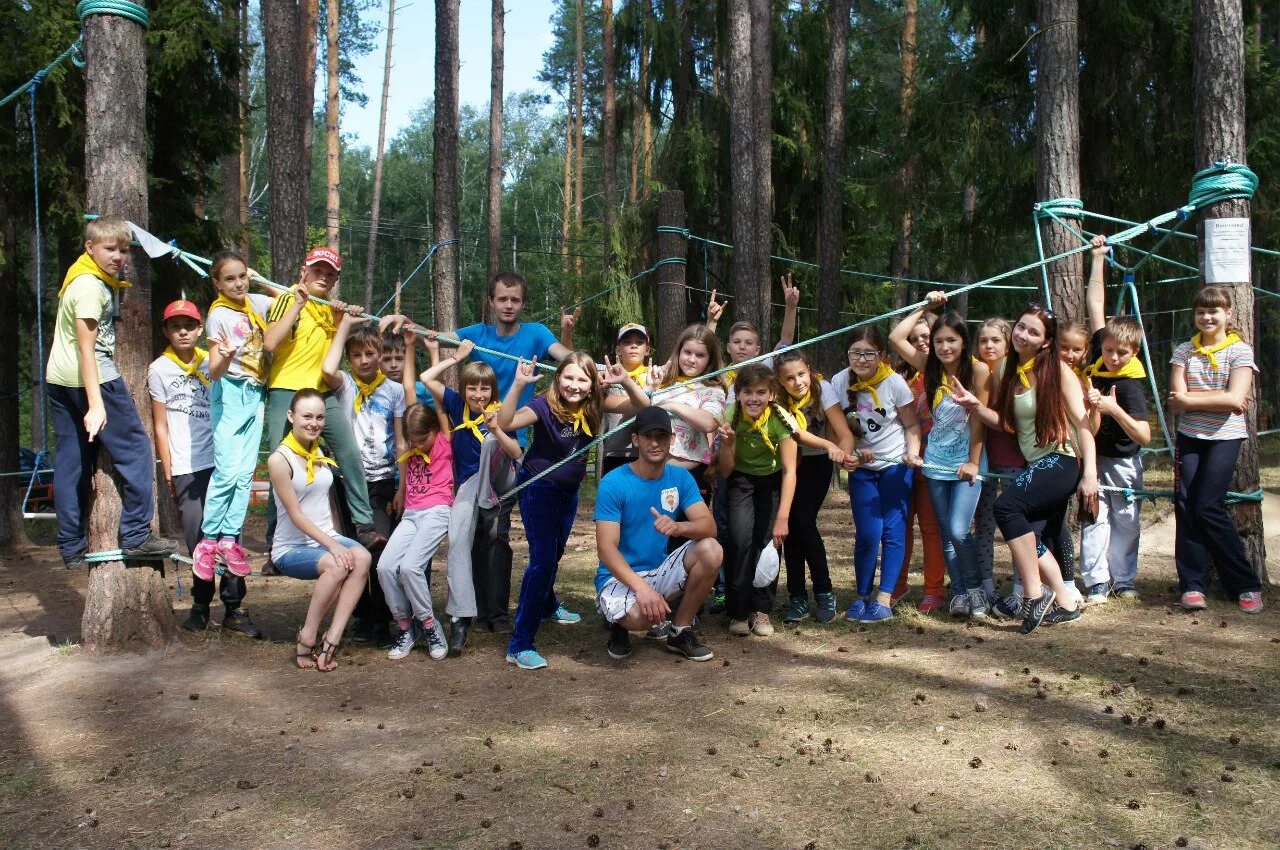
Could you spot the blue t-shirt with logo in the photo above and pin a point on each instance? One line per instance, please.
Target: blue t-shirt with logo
(625, 498)
(529, 341)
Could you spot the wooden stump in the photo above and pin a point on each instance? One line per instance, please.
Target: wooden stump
(127, 609)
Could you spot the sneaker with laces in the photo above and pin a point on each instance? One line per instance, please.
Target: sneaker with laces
(685, 642)
(977, 604)
(876, 613)
(154, 546)
(1125, 592)
(239, 621)
(959, 605)
(1193, 600)
(197, 619)
(565, 617)
(1007, 607)
(1098, 594)
(1251, 602)
(433, 635)
(931, 603)
(826, 607)
(856, 609)
(233, 555)
(1060, 615)
(797, 610)
(527, 659)
(619, 645)
(659, 631)
(402, 644)
(739, 628)
(760, 625)
(204, 560)
(1035, 610)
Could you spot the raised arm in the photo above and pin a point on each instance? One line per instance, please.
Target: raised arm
(510, 418)
(278, 330)
(330, 369)
(790, 304)
(898, 338)
(1095, 294)
(615, 374)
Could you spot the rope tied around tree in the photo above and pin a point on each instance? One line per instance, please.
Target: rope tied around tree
(119, 8)
(1222, 181)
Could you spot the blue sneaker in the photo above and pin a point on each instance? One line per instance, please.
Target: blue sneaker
(565, 617)
(875, 613)
(856, 610)
(527, 659)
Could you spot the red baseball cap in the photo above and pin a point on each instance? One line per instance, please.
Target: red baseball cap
(182, 308)
(324, 255)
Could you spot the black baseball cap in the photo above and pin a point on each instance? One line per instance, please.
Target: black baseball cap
(651, 418)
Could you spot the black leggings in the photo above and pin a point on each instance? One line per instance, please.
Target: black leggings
(1205, 526)
(804, 541)
(1037, 501)
(752, 504)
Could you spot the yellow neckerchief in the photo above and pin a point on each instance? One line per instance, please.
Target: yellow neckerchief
(473, 425)
(85, 264)
(416, 452)
(365, 391)
(579, 420)
(730, 377)
(759, 426)
(1208, 353)
(1023, 369)
(1081, 372)
(943, 388)
(797, 406)
(322, 315)
(243, 307)
(882, 371)
(311, 456)
(190, 369)
(1132, 369)
(640, 374)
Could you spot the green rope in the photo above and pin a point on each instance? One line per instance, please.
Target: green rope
(1059, 208)
(1222, 181)
(38, 78)
(109, 555)
(120, 8)
(665, 261)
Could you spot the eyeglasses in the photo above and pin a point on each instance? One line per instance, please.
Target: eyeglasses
(863, 355)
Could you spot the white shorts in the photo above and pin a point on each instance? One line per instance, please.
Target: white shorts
(615, 599)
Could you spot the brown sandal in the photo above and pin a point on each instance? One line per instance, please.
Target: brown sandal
(327, 652)
(310, 653)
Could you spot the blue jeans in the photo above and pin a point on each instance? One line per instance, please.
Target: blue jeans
(547, 511)
(76, 459)
(955, 502)
(879, 499)
(235, 412)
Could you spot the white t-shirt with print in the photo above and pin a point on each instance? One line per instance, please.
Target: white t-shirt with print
(373, 426)
(882, 432)
(186, 401)
(250, 357)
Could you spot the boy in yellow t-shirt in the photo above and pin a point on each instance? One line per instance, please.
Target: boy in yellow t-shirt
(90, 404)
(298, 335)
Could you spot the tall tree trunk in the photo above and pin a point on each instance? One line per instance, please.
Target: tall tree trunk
(968, 212)
(901, 266)
(376, 211)
(242, 123)
(1218, 33)
(610, 133)
(1058, 143)
(646, 118)
(831, 213)
(495, 144)
(288, 151)
(229, 164)
(577, 146)
(566, 217)
(122, 607)
(444, 165)
(333, 176)
(745, 268)
(762, 136)
(13, 488)
(638, 106)
(306, 110)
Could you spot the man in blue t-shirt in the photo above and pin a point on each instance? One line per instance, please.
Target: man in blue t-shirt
(636, 506)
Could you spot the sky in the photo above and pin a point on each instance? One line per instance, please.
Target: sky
(528, 35)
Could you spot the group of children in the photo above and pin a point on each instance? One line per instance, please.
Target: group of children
(418, 462)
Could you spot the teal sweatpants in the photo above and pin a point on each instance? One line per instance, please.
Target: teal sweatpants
(340, 444)
(235, 412)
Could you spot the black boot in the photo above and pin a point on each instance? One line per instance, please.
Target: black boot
(197, 619)
(238, 621)
(458, 635)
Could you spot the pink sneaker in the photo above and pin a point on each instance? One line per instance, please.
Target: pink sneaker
(1251, 602)
(205, 559)
(1193, 600)
(931, 603)
(234, 556)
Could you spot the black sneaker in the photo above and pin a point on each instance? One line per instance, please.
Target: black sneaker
(797, 610)
(1060, 615)
(368, 537)
(197, 619)
(154, 546)
(685, 642)
(1007, 607)
(659, 630)
(458, 628)
(501, 625)
(75, 562)
(619, 645)
(238, 621)
(1035, 610)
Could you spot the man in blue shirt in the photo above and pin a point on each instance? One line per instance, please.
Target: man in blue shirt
(636, 506)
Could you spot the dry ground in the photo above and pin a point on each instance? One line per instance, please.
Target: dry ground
(1136, 726)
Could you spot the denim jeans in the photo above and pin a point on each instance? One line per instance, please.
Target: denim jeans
(954, 503)
(879, 500)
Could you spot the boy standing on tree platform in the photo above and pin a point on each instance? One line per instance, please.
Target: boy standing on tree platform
(91, 406)
(298, 334)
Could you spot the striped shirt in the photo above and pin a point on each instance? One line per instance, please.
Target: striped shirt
(1201, 377)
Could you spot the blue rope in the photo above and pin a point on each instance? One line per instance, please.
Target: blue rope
(430, 253)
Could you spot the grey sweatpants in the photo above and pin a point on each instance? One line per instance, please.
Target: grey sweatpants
(402, 569)
(1109, 547)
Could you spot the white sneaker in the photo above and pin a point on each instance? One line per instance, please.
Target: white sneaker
(437, 648)
(977, 604)
(959, 605)
(402, 645)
